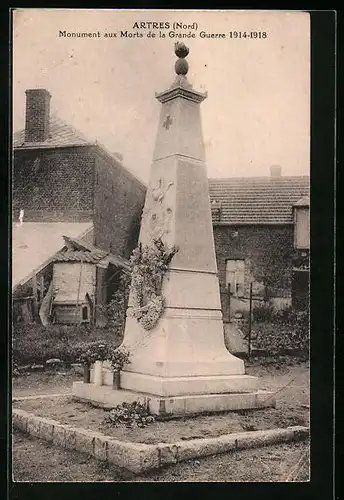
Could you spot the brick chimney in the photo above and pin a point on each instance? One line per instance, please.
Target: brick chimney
(275, 171)
(37, 115)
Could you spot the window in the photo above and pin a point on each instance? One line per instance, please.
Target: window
(235, 276)
(301, 227)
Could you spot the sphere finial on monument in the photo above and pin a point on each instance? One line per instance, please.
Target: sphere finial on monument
(181, 50)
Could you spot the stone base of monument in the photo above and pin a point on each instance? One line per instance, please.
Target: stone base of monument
(184, 386)
(177, 396)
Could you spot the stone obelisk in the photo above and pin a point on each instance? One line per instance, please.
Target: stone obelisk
(183, 359)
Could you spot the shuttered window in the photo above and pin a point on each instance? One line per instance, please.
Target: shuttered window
(302, 228)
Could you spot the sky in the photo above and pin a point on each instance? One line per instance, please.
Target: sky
(257, 113)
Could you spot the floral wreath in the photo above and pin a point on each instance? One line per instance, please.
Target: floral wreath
(149, 264)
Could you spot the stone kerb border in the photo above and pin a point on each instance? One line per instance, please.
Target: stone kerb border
(139, 457)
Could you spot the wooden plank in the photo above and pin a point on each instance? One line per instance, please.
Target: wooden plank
(25, 312)
(65, 314)
(22, 299)
(229, 301)
(250, 322)
(67, 280)
(41, 287)
(35, 296)
(78, 295)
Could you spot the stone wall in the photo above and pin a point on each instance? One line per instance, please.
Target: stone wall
(53, 184)
(267, 251)
(118, 202)
(80, 183)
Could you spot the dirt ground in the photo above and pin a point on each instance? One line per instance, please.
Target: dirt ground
(291, 408)
(288, 377)
(273, 374)
(78, 414)
(47, 382)
(38, 461)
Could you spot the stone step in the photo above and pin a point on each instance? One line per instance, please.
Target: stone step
(179, 406)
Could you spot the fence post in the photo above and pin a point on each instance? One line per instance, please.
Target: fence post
(35, 298)
(229, 301)
(250, 322)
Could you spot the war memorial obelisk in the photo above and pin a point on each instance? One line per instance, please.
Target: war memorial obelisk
(181, 366)
(183, 359)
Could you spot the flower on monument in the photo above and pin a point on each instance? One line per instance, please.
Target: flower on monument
(119, 357)
(149, 266)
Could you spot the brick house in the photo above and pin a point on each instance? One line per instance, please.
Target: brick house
(261, 233)
(70, 187)
(61, 179)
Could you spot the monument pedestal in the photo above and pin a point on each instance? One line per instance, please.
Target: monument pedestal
(177, 406)
(181, 366)
(187, 386)
(176, 396)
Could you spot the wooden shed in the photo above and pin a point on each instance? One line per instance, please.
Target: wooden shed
(74, 286)
(82, 275)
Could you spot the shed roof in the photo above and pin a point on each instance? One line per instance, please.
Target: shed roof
(92, 257)
(78, 251)
(256, 200)
(35, 243)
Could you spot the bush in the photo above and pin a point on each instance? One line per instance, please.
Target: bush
(292, 317)
(263, 312)
(115, 311)
(34, 344)
(279, 332)
(93, 351)
(282, 337)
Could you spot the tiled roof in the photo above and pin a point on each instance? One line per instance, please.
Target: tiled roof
(78, 250)
(63, 135)
(60, 134)
(34, 243)
(256, 200)
(92, 257)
